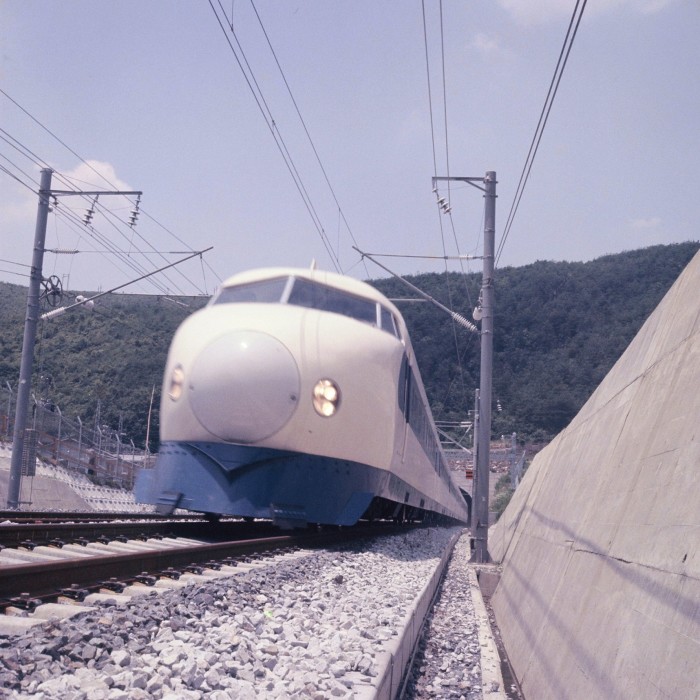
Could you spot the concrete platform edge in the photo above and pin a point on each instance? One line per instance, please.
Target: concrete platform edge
(392, 662)
(387, 683)
(491, 676)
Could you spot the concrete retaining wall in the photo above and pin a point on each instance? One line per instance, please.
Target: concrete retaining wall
(600, 592)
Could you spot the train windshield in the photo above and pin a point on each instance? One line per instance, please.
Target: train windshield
(312, 295)
(262, 292)
(319, 296)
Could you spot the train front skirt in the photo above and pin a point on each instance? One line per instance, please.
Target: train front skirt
(289, 488)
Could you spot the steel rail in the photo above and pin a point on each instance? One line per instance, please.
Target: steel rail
(17, 516)
(39, 533)
(47, 579)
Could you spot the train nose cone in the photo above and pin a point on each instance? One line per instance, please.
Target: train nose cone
(244, 386)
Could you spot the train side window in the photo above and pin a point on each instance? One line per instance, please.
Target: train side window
(405, 388)
(264, 291)
(388, 322)
(319, 296)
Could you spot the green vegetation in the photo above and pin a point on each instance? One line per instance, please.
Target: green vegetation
(559, 329)
(502, 494)
(114, 354)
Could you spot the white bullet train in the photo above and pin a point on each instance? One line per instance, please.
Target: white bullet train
(294, 396)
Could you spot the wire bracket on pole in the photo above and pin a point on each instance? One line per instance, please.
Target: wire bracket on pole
(458, 318)
(58, 312)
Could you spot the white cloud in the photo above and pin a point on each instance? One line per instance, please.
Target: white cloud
(649, 7)
(537, 11)
(531, 12)
(95, 175)
(485, 44)
(646, 223)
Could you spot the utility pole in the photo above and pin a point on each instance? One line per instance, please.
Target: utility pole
(481, 500)
(480, 514)
(30, 323)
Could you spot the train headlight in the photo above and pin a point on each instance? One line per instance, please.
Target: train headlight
(177, 380)
(326, 397)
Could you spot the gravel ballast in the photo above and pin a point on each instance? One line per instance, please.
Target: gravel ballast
(447, 663)
(304, 627)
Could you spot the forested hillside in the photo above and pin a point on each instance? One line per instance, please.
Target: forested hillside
(559, 328)
(113, 355)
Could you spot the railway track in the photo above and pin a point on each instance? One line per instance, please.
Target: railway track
(46, 568)
(31, 533)
(252, 608)
(14, 516)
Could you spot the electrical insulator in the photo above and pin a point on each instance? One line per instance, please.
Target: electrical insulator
(135, 212)
(463, 322)
(55, 312)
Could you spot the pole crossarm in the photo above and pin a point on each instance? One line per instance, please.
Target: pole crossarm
(68, 193)
(469, 180)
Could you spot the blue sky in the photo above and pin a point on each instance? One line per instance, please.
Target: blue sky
(151, 95)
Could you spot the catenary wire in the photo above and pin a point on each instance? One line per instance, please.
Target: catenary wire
(286, 154)
(14, 177)
(277, 138)
(41, 163)
(63, 211)
(544, 116)
(281, 142)
(430, 93)
(38, 162)
(69, 215)
(108, 213)
(458, 354)
(306, 130)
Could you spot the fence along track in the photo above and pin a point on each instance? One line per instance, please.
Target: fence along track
(98, 452)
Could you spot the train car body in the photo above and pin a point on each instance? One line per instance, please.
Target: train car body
(294, 396)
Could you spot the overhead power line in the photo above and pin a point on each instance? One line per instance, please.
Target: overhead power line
(258, 96)
(12, 262)
(443, 206)
(306, 130)
(544, 115)
(128, 255)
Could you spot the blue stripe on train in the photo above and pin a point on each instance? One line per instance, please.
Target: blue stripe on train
(259, 482)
